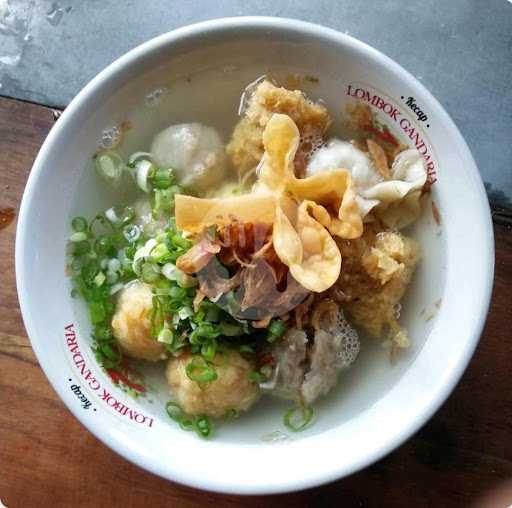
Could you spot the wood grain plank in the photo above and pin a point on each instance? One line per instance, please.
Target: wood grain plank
(23, 128)
(48, 459)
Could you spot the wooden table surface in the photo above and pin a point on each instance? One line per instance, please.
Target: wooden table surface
(462, 457)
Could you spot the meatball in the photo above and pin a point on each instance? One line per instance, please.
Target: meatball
(194, 151)
(335, 347)
(231, 390)
(308, 369)
(131, 323)
(290, 354)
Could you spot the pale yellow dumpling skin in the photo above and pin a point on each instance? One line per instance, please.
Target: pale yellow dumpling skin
(231, 390)
(131, 323)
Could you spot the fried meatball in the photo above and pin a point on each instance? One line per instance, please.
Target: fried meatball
(231, 390)
(131, 323)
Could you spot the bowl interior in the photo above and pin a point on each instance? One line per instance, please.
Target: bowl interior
(198, 75)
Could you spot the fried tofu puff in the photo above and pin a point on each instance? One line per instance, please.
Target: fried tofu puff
(377, 270)
(245, 148)
(131, 323)
(231, 390)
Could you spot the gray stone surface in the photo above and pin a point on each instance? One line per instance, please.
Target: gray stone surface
(460, 49)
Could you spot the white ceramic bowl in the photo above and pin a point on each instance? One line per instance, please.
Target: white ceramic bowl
(376, 406)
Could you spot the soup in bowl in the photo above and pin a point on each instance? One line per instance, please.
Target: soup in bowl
(242, 246)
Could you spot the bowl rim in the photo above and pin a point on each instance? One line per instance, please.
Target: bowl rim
(218, 26)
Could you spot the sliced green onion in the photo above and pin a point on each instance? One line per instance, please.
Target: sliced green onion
(179, 241)
(119, 216)
(198, 318)
(109, 352)
(102, 220)
(202, 426)
(200, 371)
(102, 332)
(150, 272)
(111, 216)
(275, 330)
(81, 248)
(108, 356)
(132, 233)
(177, 344)
(97, 312)
(203, 331)
(162, 202)
(209, 350)
(163, 199)
(78, 237)
(142, 170)
(90, 270)
(126, 254)
(97, 272)
(109, 165)
(112, 277)
(169, 271)
(114, 265)
(186, 424)
(162, 178)
(79, 224)
(141, 254)
(174, 411)
(103, 245)
(127, 215)
(212, 311)
(109, 307)
(161, 237)
(298, 418)
(230, 329)
(185, 280)
(177, 293)
(160, 252)
(144, 251)
(157, 317)
(245, 348)
(257, 377)
(166, 336)
(99, 279)
(137, 156)
(185, 312)
(77, 264)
